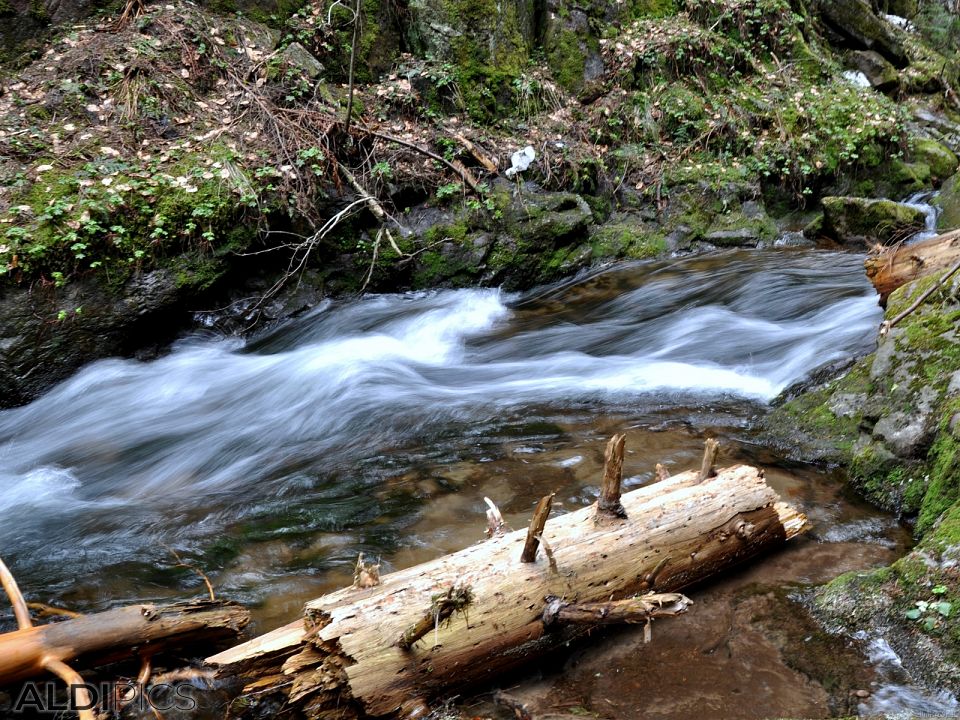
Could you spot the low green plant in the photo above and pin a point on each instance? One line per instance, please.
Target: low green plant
(933, 612)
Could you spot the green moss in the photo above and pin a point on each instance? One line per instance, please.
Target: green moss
(653, 8)
(112, 218)
(627, 240)
(566, 56)
(488, 56)
(943, 490)
(937, 156)
(456, 232)
(885, 480)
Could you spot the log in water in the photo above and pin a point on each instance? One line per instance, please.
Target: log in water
(305, 433)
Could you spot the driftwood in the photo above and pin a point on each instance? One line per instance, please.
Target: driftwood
(900, 265)
(464, 618)
(127, 632)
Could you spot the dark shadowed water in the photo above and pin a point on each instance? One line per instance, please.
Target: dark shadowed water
(379, 425)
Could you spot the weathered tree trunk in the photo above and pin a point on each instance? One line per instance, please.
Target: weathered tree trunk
(133, 631)
(898, 266)
(346, 659)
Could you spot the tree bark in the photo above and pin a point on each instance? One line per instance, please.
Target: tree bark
(898, 266)
(116, 634)
(344, 659)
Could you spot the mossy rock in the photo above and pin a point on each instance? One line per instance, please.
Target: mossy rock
(572, 50)
(913, 604)
(747, 225)
(949, 203)
(627, 238)
(942, 161)
(856, 220)
(859, 25)
(487, 43)
(878, 70)
(547, 220)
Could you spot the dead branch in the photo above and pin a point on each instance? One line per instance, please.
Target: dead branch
(10, 587)
(608, 505)
(535, 531)
(461, 171)
(887, 325)
(707, 466)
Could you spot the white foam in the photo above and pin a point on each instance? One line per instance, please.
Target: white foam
(41, 487)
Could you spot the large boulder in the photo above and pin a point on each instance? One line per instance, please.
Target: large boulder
(856, 220)
(861, 28)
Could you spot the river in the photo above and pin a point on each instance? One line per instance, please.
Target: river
(379, 424)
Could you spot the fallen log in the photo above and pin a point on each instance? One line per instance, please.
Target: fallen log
(128, 632)
(896, 266)
(462, 619)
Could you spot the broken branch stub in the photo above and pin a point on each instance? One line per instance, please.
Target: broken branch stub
(708, 465)
(535, 531)
(444, 605)
(609, 505)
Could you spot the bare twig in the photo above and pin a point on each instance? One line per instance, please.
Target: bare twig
(76, 686)
(461, 171)
(44, 610)
(198, 571)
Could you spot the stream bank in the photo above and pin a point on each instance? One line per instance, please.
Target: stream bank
(145, 179)
(141, 196)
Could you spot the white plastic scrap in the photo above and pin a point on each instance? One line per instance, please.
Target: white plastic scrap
(900, 22)
(521, 160)
(855, 77)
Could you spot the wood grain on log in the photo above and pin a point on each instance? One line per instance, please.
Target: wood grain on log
(897, 266)
(342, 660)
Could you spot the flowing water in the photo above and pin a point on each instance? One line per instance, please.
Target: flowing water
(379, 425)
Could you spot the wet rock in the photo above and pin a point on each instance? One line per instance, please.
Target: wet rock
(548, 218)
(910, 433)
(679, 238)
(856, 22)
(733, 238)
(46, 333)
(877, 69)
(856, 220)
(949, 202)
(847, 404)
(793, 239)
